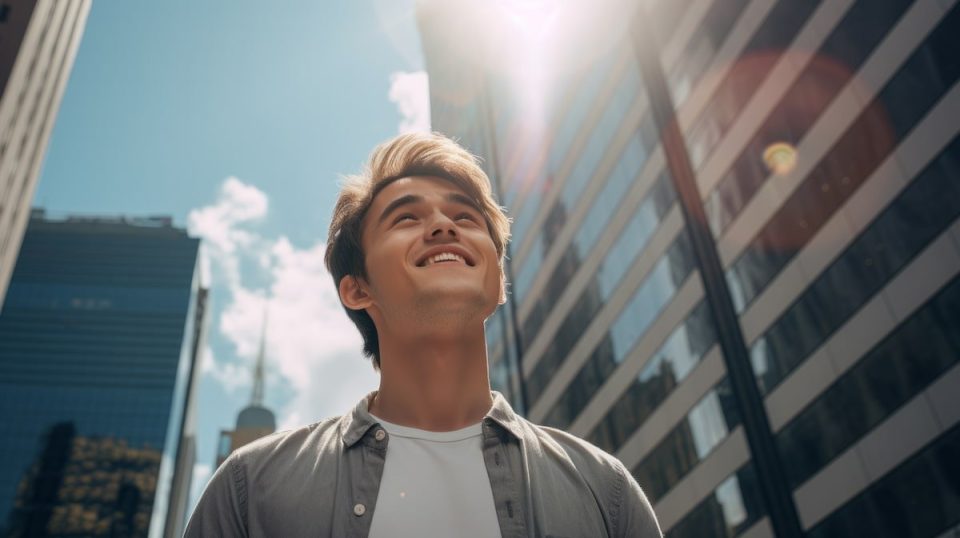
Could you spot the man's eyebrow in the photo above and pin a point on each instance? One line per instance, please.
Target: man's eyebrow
(463, 199)
(407, 199)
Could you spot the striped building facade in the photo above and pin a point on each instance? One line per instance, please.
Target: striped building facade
(38, 43)
(736, 246)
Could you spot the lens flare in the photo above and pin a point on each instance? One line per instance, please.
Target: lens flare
(780, 158)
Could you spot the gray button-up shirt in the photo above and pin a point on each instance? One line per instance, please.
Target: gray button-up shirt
(323, 479)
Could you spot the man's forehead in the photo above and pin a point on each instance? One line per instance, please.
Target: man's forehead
(420, 184)
(420, 189)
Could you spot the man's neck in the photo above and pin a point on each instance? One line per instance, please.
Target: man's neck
(431, 383)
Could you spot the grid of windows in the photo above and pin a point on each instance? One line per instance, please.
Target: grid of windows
(617, 262)
(670, 365)
(929, 72)
(732, 508)
(625, 173)
(601, 138)
(758, 57)
(907, 361)
(629, 162)
(705, 40)
(841, 38)
(660, 284)
(840, 55)
(922, 210)
(571, 124)
(918, 499)
(91, 355)
(690, 442)
(656, 291)
(661, 196)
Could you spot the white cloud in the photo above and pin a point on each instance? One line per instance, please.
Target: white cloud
(218, 225)
(311, 344)
(230, 375)
(411, 93)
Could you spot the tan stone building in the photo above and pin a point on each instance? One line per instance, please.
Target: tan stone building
(38, 43)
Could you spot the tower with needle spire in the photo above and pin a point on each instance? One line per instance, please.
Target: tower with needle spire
(254, 421)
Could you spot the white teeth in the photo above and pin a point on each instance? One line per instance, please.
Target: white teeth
(445, 257)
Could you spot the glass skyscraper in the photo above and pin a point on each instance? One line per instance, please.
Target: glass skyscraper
(736, 246)
(98, 352)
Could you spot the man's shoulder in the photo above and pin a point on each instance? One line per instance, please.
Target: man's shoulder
(262, 483)
(288, 447)
(581, 453)
(626, 509)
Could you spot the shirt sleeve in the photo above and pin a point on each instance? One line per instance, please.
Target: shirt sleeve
(635, 517)
(222, 507)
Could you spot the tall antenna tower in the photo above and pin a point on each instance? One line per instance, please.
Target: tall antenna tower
(256, 396)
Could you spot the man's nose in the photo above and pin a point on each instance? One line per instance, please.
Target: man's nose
(441, 226)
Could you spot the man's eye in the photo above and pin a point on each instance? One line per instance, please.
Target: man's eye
(466, 216)
(403, 217)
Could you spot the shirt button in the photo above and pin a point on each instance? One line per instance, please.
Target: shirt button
(359, 509)
(379, 435)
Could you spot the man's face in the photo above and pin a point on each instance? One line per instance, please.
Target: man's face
(429, 253)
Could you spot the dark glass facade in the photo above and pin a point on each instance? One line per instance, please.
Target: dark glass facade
(823, 145)
(97, 353)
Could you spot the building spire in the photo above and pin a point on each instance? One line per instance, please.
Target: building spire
(256, 397)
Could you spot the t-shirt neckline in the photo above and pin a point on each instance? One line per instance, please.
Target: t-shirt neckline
(473, 430)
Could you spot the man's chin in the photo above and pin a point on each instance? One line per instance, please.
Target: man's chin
(458, 301)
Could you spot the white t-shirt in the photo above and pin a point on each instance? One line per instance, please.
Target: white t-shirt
(434, 484)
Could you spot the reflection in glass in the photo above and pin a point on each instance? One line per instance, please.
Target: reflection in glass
(919, 214)
(919, 83)
(918, 499)
(86, 486)
(671, 364)
(733, 507)
(704, 427)
(652, 295)
(905, 363)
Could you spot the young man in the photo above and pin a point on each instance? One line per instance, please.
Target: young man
(416, 250)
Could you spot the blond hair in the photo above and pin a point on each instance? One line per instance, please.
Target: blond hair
(407, 155)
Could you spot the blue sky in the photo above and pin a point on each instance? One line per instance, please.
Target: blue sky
(237, 118)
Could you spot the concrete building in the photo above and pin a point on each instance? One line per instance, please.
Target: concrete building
(736, 246)
(99, 341)
(38, 43)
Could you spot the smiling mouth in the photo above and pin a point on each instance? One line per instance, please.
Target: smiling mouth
(444, 258)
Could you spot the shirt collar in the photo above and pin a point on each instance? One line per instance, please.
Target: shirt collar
(355, 424)
(504, 415)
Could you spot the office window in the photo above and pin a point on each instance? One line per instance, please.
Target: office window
(635, 235)
(732, 508)
(918, 499)
(850, 42)
(908, 360)
(855, 156)
(619, 258)
(703, 45)
(705, 426)
(628, 167)
(921, 211)
(670, 365)
(761, 53)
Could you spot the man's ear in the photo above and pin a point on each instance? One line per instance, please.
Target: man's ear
(352, 293)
